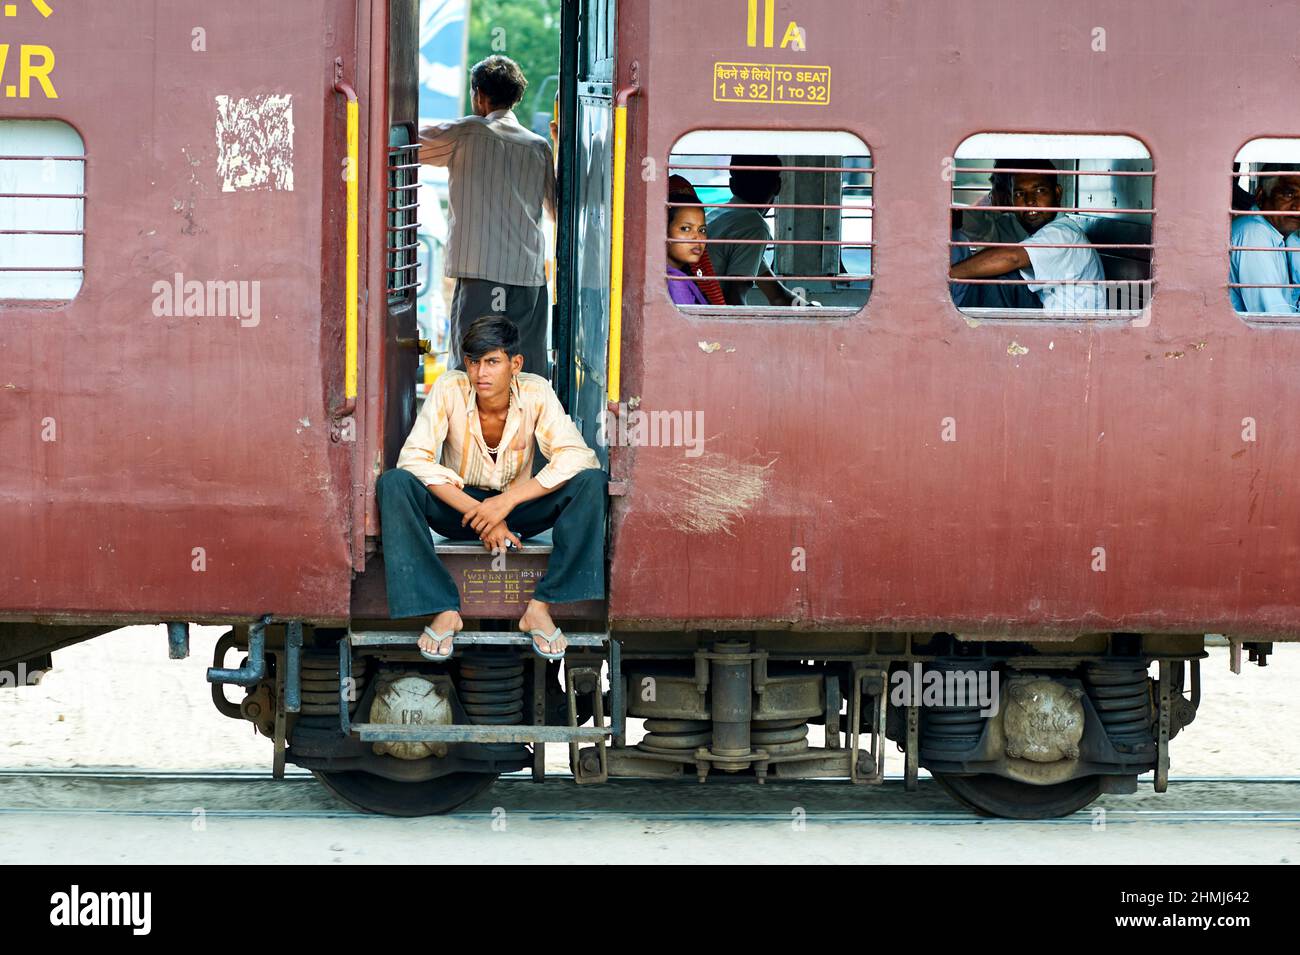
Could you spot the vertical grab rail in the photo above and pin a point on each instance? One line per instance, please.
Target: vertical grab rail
(617, 201)
(351, 177)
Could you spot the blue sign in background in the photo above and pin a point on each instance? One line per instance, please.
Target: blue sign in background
(444, 26)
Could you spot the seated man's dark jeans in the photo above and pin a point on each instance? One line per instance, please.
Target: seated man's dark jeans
(420, 586)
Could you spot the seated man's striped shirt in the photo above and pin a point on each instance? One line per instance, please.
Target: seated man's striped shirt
(446, 444)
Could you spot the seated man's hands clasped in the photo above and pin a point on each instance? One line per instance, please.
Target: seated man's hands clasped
(495, 537)
(488, 519)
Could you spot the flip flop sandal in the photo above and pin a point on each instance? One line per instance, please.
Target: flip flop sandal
(538, 632)
(438, 638)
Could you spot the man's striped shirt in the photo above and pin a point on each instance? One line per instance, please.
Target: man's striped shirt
(446, 444)
(501, 177)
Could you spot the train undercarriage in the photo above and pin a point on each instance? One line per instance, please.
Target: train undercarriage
(1021, 730)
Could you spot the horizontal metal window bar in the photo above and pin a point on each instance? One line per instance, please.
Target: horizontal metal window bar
(1259, 212)
(403, 268)
(958, 207)
(405, 165)
(414, 205)
(403, 288)
(862, 169)
(1054, 245)
(1064, 172)
(1291, 173)
(841, 242)
(952, 281)
(401, 248)
(41, 268)
(1263, 248)
(759, 205)
(42, 195)
(1252, 285)
(782, 278)
(42, 232)
(42, 158)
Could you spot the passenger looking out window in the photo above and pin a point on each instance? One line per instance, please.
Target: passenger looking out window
(975, 226)
(1065, 277)
(1252, 261)
(701, 266)
(742, 255)
(686, 230)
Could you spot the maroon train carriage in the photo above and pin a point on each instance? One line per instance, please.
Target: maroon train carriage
(821, 512)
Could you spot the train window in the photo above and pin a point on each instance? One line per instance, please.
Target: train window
(1264, 239)
(403, 239)
(765, 223)
(1051, 227)
(42, 211)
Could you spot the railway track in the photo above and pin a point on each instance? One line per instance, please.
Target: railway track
(1205, 800)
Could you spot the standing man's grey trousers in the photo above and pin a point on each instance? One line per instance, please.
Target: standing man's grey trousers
(528, 306)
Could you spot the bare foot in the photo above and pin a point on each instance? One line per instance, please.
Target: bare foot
(537, 616)
(447, 620)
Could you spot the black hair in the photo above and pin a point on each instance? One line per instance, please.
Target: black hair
(500, 79)
(755, 185)
(1266, 183)
(487, 334)
(1045, 165)
(682, 197)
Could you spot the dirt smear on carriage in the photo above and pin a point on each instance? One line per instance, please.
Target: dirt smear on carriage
(710, 494)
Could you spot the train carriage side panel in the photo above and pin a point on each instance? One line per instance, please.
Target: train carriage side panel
(824, 434)
(168, 452)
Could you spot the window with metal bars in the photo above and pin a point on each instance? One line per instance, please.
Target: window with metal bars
(760, 222)
(402, 246)
(1264, 236)
(1066, 234)
(42, 211)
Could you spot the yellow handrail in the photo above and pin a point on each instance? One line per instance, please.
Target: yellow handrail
(617, 201)
(351, 176)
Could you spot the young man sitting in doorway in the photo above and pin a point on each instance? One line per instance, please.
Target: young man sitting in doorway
(466, 470)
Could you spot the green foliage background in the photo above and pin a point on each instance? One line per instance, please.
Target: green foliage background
(527, 31)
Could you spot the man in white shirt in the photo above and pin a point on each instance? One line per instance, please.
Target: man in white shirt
(978, 226)
(501, 178)
(749, 187)
(1069, 279)
(1272, 229)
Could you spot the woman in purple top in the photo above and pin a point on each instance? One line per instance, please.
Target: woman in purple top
(685, 222)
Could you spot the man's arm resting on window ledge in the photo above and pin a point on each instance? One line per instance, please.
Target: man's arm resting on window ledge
(990, 263)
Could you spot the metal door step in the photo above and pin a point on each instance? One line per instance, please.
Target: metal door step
(482, 733)
(466, 638)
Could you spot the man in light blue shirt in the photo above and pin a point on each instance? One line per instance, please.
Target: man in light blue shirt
(1066, 279)
(1271, 230)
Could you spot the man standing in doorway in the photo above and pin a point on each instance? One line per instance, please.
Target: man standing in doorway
(501, 178)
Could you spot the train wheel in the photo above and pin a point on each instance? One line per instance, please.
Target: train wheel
(371, 793)
(991, 795)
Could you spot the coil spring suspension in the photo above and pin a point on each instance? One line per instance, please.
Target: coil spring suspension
(491, 689)
(950, 727)
(320, 683)
(675, 736)
(779, 737)
(1121, 695)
